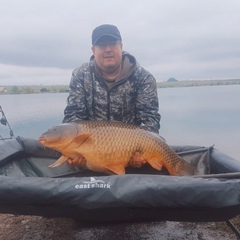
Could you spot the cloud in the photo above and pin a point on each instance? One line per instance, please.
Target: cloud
(46, 40)
(21, 75)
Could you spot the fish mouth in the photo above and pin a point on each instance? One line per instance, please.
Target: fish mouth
(42, 139)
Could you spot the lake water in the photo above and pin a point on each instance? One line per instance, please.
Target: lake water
(201, 116)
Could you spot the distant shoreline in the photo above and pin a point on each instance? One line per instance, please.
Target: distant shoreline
(197, 83)
(30, 89)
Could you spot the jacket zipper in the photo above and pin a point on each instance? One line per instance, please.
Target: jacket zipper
(109, 92)
(108, 105)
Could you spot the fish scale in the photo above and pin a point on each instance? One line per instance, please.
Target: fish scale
(108, 146)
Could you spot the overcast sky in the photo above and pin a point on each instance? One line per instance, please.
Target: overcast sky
(42, 41)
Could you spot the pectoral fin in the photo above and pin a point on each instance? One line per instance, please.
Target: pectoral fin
(60, 161)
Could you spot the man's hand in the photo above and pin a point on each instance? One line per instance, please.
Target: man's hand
(136, 160)
(78, 161)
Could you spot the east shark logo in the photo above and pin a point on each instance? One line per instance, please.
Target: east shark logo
(93, 183)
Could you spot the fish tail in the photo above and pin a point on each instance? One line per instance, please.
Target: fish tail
(184, 169)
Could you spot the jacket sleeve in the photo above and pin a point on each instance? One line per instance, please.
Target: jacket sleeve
(76, 101)
(147, 105)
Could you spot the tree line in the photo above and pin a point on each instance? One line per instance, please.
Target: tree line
(30, 89)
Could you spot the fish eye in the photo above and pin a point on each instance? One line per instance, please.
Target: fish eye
(54, 129)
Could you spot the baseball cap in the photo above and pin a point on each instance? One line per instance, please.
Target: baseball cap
(105, 30)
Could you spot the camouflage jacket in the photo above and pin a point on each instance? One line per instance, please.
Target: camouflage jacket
(132, 99)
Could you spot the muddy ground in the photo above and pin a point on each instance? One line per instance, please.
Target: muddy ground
(14, 227)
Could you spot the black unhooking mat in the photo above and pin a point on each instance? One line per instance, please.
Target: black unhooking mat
(29, 187)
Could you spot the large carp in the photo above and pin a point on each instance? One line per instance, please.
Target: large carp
(108, 146)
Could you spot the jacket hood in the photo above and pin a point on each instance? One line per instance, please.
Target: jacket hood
(128, 64)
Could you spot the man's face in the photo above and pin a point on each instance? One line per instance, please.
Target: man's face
(108, 54)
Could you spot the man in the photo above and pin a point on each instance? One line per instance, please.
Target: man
(112, 86)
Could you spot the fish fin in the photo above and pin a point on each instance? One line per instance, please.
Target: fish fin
(155, 163)
(79, 140)
(119, 169)
(185, 169)
(109, 169)
(60, 161)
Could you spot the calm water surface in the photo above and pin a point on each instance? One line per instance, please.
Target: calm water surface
(202, 116)
(190, 116)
